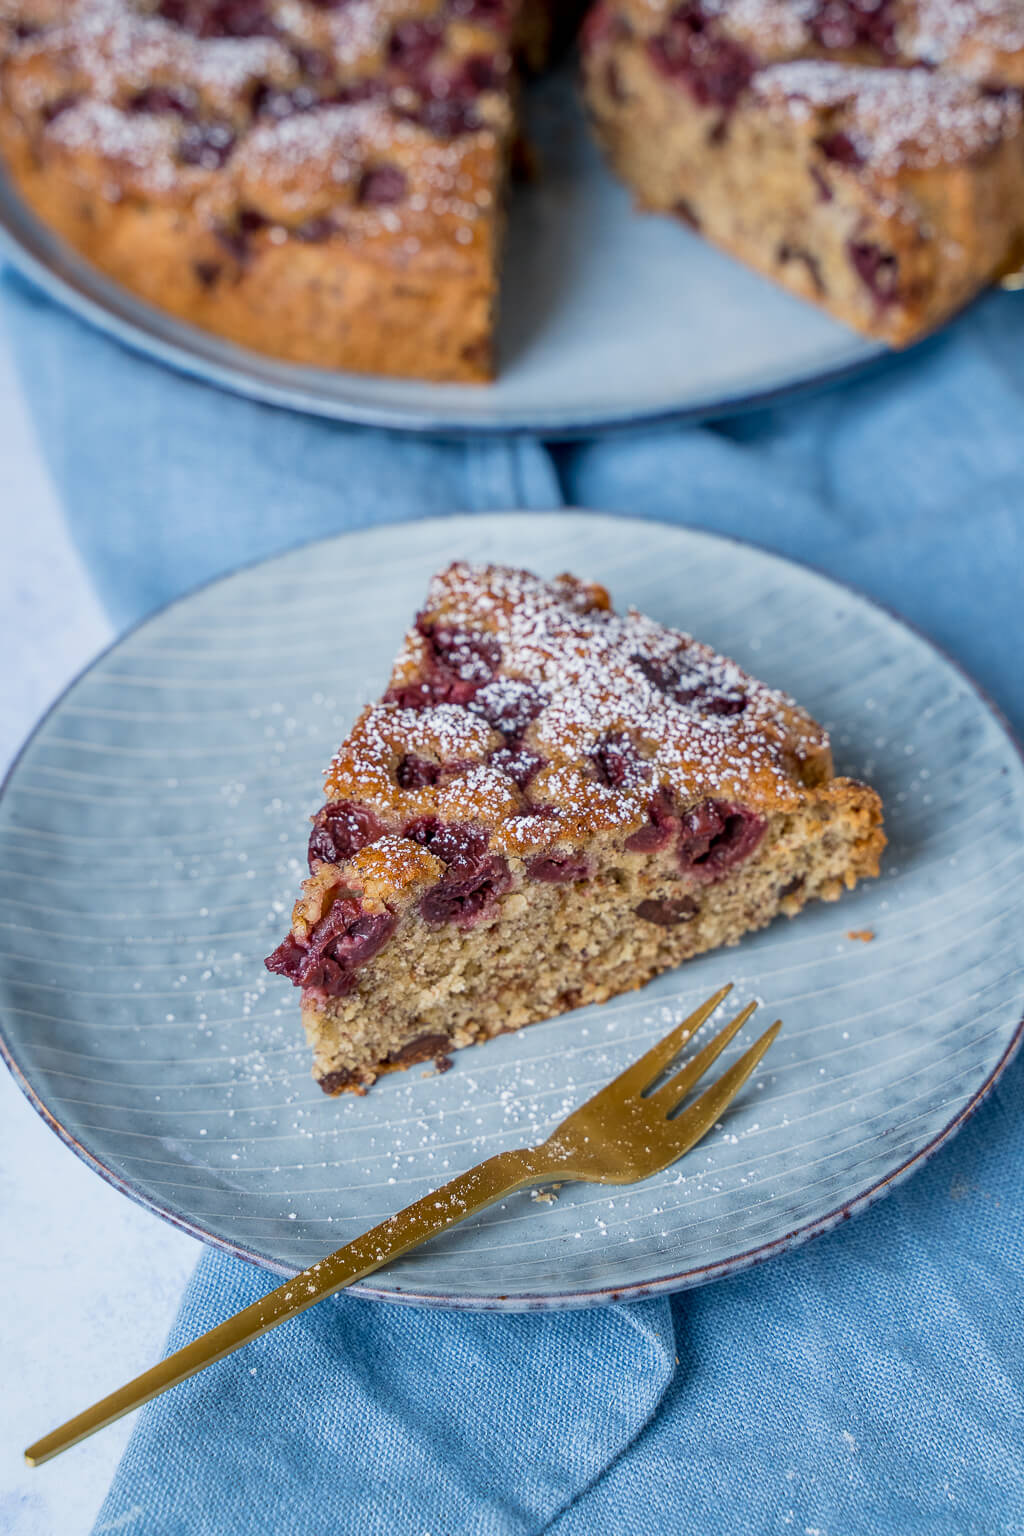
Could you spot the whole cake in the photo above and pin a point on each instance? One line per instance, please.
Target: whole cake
(550, 804)
(324, 180)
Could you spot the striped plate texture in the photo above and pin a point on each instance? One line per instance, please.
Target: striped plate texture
(152, 838)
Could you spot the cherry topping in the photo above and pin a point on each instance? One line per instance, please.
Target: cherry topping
(340, 829)
(479, 72)
(413, 44)
(666, 911)
(684, 685)
(495, 13)
(53, 109)
(617, 763)
(846, 24)
(458, 664)
(444, 117)
(162, 98)
(715, 835)
(340, 943)
(474, 878)
(519, 763)
(273, 101)
(840, 148)
(314, 231)
(509, 705)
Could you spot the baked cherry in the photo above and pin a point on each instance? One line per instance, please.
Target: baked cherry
(693, 50)
(380, 186)
(474, 878)
(559, 868)
(878, 269)
(416, 772)
(508, 705)
(207, 145)
(219, 18)
(683, 684)
(716, 835)
(617, 763)
(457, 664)
(846, 24)
(340, 829)
(519, 763)
(662, 825)
(338, 946)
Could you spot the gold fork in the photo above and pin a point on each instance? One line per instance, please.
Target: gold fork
(628, 1131)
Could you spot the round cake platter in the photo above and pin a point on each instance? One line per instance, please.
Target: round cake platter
(609, 318)
(152, 836)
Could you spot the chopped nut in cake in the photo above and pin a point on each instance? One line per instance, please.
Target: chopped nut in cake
(551, 803)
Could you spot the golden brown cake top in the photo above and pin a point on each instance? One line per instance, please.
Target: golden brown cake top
(531, 709)
(377, 117)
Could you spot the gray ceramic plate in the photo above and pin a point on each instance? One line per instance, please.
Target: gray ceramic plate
(151, 838)
(608, 317)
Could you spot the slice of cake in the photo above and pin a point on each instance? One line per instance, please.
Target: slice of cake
(869, 157)
(551, 804)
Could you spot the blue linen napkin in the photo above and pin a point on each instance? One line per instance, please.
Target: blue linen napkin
(870, 1382)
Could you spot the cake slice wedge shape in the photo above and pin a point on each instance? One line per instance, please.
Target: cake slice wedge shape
(551, 803)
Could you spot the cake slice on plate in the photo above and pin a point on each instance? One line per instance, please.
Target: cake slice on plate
(551, 803)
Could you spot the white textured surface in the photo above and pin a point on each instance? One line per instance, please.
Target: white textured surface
(89, 1282)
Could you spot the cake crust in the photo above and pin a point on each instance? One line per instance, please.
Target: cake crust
(551, 803)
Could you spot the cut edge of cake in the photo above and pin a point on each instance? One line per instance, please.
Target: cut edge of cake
(551, 804)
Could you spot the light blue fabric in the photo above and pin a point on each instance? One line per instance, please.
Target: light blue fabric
(867, 1384)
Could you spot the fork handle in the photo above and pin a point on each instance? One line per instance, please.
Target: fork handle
(453, 1202)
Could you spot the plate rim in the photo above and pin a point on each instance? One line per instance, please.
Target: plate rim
(182, 352)
(575, 1299)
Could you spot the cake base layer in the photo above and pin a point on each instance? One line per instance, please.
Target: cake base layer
(552, 947)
